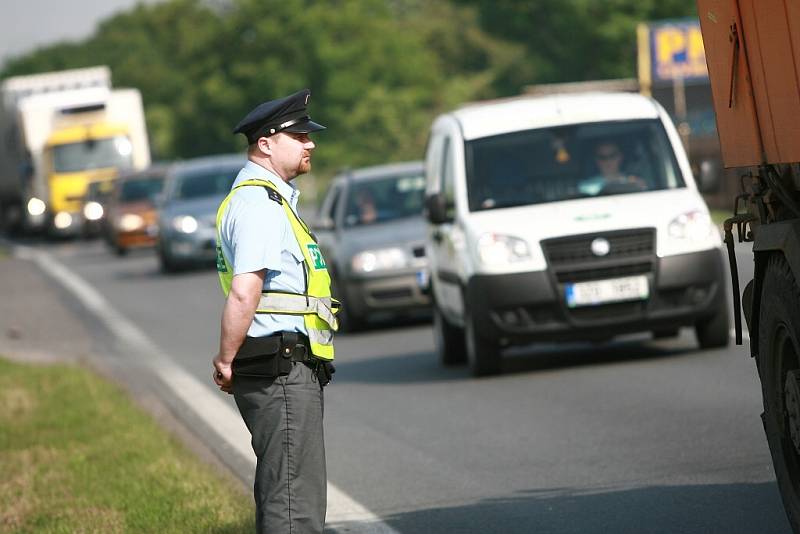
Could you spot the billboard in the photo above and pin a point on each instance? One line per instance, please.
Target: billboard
(671, 50)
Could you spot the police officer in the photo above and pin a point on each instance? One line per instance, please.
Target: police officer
(278, 320)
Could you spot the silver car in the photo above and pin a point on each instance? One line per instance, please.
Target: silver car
(372, 234)
(193, 190)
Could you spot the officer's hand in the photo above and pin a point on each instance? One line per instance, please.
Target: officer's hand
(223, 375)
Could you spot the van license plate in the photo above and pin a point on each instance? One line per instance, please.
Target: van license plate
(606, 291)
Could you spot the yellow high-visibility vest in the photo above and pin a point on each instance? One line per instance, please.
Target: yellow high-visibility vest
(315, 305)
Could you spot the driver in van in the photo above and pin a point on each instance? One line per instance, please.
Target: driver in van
(609, 159)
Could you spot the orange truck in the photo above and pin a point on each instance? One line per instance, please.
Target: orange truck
(753, 55)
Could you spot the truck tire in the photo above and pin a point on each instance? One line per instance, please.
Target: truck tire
(715, 331)
(483, 356)
(779, 369)
(449, 340)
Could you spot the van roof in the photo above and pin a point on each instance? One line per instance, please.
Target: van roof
(494, 117)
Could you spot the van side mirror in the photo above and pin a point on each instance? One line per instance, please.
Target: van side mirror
(436, 209)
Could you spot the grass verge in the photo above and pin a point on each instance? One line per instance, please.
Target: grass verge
(77, 456)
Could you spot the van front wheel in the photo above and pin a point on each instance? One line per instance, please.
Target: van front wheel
(449, 340)
(483, 356)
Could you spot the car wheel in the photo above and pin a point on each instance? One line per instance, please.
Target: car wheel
(779, 369)
(168, 263)
(449, 340)
(348, 320)
(714, 332)
(483, 356)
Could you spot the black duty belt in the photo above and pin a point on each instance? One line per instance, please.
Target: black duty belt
(273, 355)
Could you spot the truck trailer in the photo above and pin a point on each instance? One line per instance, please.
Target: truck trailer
(753, 55)
(62, 131)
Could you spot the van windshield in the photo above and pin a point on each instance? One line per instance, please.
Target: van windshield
(568, 162)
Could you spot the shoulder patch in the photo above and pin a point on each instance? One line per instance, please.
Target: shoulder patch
(274, 195)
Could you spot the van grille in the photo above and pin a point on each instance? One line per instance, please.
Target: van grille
(578, 249)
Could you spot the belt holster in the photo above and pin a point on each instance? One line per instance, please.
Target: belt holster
(270, 356)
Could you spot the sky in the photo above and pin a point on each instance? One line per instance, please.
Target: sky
(33, 23)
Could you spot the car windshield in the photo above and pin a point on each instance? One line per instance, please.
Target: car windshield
(141, 189)
(112, 152)
(385, 199)
(578, 161)
(205, 183)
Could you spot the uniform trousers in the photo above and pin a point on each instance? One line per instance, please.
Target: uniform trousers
(284, 416)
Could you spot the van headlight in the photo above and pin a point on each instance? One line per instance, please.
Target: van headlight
(185, 224)
(499, 249)
(693, 225)
(379, 260)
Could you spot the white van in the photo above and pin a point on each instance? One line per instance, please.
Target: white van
(566, 217)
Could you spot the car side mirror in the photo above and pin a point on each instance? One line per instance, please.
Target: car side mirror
(436, 209)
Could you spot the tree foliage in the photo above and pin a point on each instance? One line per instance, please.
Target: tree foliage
(574, 40)
(379, 70)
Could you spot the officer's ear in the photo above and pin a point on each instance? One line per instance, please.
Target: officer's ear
(264, 145)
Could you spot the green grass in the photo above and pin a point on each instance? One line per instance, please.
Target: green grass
(77, 456)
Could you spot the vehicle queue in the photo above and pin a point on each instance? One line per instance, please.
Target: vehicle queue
(583, 224)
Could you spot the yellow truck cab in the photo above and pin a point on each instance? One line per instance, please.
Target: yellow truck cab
(77, 156)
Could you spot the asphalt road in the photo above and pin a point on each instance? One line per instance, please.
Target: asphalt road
(634, 436)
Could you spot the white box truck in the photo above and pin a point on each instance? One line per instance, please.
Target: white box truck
(60, 132)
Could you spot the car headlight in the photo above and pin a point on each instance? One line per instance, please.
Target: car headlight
(694, 225)
(498, 249)
(36, 206)
(185, 224)
(379, 260)
(62, 220)
(93, 211)
(129, 222)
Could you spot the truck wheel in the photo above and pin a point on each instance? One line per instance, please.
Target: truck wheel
(779, 368)
(449, 340)
(483, 356)
(714, 332)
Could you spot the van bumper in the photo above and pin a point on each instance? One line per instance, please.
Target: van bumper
(531, 306)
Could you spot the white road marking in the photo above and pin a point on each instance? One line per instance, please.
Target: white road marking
(206, 404)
